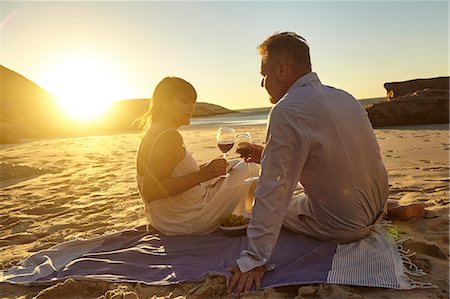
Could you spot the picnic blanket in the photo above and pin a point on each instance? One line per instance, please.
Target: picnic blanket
(137, 255)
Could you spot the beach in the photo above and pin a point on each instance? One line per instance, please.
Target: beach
(61, 189)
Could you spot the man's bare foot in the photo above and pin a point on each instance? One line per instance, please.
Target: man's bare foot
(406, 212)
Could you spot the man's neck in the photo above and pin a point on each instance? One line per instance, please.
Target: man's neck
(295, 76)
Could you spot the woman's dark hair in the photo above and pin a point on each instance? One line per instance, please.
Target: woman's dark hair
(165, 91)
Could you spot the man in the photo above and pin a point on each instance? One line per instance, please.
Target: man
(321, 137)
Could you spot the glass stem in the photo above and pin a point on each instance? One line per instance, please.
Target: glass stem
(224, 156)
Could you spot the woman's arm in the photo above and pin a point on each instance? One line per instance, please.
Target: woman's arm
(167, 152)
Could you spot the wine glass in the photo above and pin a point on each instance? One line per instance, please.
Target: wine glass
(225, 141)
(243, 142)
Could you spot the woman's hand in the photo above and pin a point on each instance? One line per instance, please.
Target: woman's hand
(215, 168)
(254, 153)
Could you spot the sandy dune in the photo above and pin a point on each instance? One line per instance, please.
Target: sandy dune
(56, 190)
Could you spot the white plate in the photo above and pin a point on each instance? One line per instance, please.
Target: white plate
(234, 231)
(233, 227)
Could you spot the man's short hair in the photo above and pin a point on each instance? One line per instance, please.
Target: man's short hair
(287, 44)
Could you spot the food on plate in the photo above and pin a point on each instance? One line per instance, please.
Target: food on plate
(234, 220)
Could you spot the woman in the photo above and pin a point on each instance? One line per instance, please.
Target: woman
(180, 196)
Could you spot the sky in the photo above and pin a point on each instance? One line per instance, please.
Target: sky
(102, 51)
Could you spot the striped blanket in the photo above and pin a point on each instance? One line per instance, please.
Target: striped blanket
(140, 256)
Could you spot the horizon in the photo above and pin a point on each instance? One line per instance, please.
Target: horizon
(206, 101)
(103, 52)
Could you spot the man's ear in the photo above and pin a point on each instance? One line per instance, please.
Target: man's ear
(282, 70)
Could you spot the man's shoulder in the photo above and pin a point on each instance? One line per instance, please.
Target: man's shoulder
(303, 94)
(286, 111)
(281, 107)
(296, 100)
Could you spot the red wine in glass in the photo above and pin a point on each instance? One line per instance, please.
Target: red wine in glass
(244, 141)
(244, 152)
(225, 141)
(225, 146)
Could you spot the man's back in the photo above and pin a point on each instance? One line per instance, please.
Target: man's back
(343, 175)
(318, 136)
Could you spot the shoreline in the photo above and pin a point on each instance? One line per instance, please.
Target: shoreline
(209, 126)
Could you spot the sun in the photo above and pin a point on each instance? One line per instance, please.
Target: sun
(85, 85)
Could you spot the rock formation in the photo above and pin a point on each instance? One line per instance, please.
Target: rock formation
(399, 89)
(28, 111)
(127, 114)
(412, 102)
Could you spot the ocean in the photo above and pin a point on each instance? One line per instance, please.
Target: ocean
(256, 116)
(231, 119)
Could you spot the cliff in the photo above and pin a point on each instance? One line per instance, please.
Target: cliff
(396, 90)
(125, 115)
(29, 111)
(412, 102)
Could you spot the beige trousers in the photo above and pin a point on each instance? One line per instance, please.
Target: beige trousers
(312, 228)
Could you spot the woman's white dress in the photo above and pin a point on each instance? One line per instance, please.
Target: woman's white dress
(200, 209)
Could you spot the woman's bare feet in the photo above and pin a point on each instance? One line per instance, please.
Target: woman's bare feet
(406, 212)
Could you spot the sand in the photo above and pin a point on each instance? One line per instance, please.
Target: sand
(55, 190)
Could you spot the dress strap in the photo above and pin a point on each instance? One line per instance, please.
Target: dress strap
(156, 139)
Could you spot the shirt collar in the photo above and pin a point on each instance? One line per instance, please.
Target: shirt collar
(307, 78)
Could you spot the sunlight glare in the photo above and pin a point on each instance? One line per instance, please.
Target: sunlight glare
(85, 86)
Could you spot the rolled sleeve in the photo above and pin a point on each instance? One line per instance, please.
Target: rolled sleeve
(282, 162)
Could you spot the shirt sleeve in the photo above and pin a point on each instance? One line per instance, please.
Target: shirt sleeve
(283, 158)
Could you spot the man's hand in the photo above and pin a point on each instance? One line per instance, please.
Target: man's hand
(253, 153)
(243, 282)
